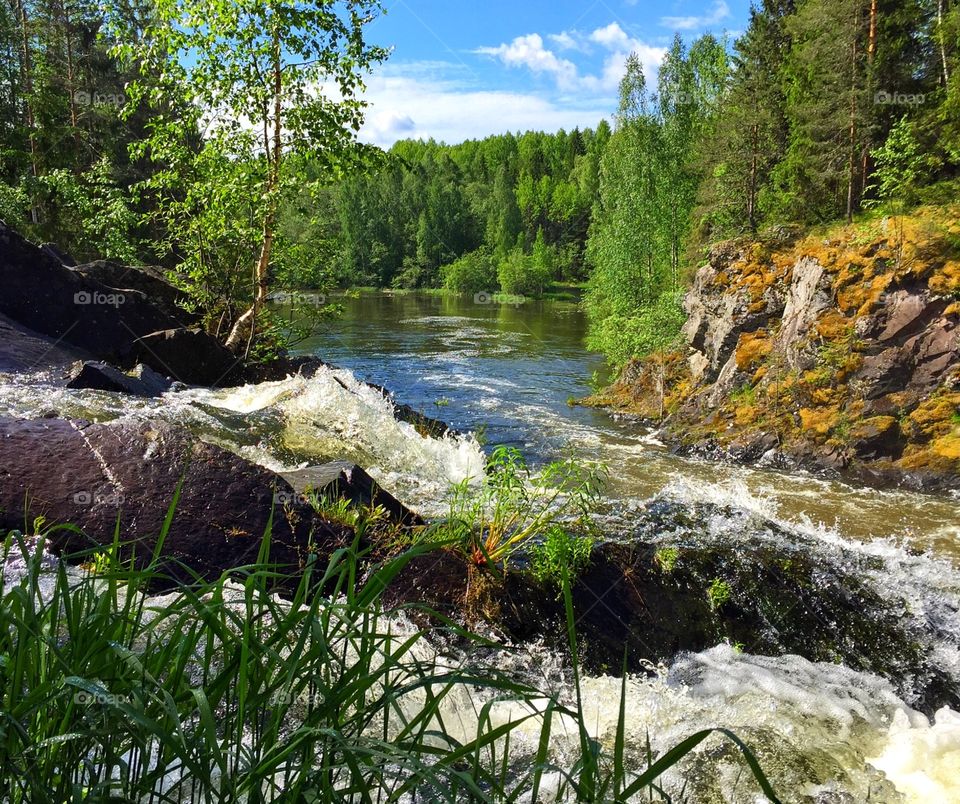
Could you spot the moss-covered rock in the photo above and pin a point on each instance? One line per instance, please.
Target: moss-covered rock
(844, 347)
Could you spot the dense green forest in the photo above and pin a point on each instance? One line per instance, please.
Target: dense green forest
(820, 110)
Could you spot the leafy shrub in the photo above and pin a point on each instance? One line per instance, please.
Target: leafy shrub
(516, 507)
(560, 553)
(472, 273)
(652, 328)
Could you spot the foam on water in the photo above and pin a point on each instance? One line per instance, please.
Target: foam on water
(923, 760)
(334, 416)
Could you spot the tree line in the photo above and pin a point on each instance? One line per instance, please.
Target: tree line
(821, 109)
(190, 134)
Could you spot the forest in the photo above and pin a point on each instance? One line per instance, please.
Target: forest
(821, 110)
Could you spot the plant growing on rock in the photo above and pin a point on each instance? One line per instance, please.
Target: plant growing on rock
(559, 555)
(516, 507)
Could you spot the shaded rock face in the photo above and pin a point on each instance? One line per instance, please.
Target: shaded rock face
(189, 355)
(149, 283)
(79, 308)
(24, 350)
(650, 598)
(90, 475)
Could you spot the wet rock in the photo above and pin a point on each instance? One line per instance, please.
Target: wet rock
(754, 447)
(94, 475)
(100, 376)
(342, 480)
(686, 577)
(188, 355)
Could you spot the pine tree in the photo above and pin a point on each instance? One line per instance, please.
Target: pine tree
(829, 107)
(751, 133)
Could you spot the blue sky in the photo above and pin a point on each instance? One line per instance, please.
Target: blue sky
(463, 70)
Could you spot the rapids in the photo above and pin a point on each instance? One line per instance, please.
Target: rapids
(824, 732)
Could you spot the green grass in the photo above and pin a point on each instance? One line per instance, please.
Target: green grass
(223, 692)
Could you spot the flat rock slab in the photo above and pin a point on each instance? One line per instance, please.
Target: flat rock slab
(344, 480)
(100, 376)
(23, 350)
(94, 475)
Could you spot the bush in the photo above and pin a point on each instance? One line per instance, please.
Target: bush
(472, 273)
(653, 328)
(516, 507)
(521, 275)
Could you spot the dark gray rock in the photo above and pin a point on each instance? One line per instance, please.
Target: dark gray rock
(188, 355)
(100, 376)
(150, 283)
(40, 293)
(342, 480)
(58, 254)
(24, 350)
(91, 475)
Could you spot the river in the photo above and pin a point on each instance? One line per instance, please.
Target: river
(824, 732)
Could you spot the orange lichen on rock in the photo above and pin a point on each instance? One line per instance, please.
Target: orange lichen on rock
(832, 326)
(946, 280)
(819, 421)
(860, 298)
(752, 348)
(936, 417)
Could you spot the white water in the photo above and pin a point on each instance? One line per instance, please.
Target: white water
(822, 731)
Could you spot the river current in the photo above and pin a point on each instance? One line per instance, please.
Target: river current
(824, 732)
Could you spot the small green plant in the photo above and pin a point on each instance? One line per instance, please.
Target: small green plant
(718, 593)
(560, 552)
(744, 396)
(515, 506)
(666, 558)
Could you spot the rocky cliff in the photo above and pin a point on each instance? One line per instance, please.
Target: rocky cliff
(839, 349)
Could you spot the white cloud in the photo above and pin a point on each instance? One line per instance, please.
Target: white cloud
(720, 12)
(529, 51)
(612, 37)
(406, 102)
(565, 41)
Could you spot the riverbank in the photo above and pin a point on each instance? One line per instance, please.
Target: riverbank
(717, 582)
(835, 351)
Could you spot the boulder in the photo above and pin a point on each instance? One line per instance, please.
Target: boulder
(96, 475)
(150, 283)
(100, 376)
(76, 309)
(341, 480)
(23, 350)
(40, 293)
(188, 355)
